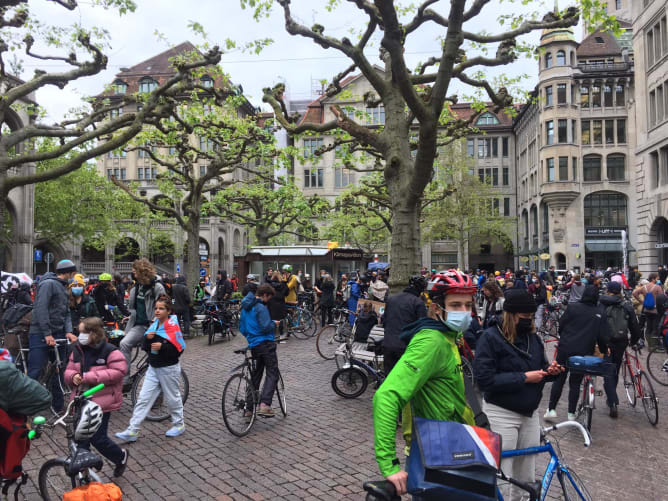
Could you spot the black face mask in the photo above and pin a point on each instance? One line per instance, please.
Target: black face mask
(524, 325)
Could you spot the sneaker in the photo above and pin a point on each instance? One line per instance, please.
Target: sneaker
(120, 467)
(550, 415)
(265, 411)
(613, 411)
(127, 436)
(175, 431)
(571, 417)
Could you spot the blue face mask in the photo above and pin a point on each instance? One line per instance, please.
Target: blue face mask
(77, 291)
(457, 321)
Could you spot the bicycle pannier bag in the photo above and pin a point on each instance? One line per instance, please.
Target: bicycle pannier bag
(595, 366)
(14, 445)
(95, 491)
(618, 322)
(648, 303)
(451, 460)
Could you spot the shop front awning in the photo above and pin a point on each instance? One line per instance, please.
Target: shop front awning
(606, 245)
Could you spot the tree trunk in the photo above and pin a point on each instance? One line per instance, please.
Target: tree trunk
(261, 233)
(192, 243)
(460, 253)
(405, 247)
(5, 228)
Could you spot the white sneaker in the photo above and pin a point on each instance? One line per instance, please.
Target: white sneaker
(571, 417)
(550, 415)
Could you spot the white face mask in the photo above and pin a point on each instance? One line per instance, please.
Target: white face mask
(83, 338)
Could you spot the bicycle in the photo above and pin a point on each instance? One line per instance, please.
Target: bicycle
(218, 321)
(352, 379)
(587, 403)
(637, 384)
(657, 363)
(61, 474)
(300, 322)
(571, 486)
(241, 399)
(159, 411)
(55, 369)
(331, 336)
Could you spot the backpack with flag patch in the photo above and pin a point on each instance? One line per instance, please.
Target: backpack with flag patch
(618, 322)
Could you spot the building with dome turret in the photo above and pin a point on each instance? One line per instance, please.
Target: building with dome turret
(575, 142)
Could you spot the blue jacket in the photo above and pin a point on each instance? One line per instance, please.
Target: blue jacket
(256, 325)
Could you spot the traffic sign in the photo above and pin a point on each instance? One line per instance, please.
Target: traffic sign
(202, 272)
(38, 255)
(48, 257)
(178, 268)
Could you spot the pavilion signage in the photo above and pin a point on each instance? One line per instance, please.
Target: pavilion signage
(353, 254)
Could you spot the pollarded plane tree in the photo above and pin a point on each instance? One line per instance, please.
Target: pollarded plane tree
(87, 132)
(415, 101)
(202, 141)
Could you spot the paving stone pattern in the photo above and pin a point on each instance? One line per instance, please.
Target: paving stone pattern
(324, 448)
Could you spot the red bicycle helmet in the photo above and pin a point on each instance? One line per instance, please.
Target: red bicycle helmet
(450, 282)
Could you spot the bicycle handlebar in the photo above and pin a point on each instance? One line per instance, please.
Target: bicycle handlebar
(93, 390)
(566, 424)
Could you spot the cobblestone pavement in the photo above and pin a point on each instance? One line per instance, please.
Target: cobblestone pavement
(324, 448)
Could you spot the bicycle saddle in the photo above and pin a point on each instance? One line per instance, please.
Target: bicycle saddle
(377, 340)
(242, 351)
(381, 491)
(84, 459)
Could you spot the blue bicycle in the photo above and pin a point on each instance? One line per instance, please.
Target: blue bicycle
(572, 488)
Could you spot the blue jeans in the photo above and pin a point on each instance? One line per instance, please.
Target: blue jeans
(38, 356)
(107, 447)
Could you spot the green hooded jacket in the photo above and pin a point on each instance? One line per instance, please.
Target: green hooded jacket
(429, 374)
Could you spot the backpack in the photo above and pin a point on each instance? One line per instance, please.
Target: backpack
(346, 291)
(648, 303)
(95, 491)
(618, 322)
(14, 445)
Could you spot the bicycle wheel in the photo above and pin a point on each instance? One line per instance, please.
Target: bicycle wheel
(629, 385)
(54, 481)
(349, 382)
(573, 487)
(296, 325)
(211, 332)
(585, 407)
(159, 411)
(649, 401)
(280, 394)
(135, 353)
(327, 342)
(310, 323)
(239, 405)
(657, 365)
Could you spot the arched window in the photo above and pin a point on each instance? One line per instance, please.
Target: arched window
(561, 58)
(561, 261)
(616, 165)
(572, 58)
(605, 210)
(206, 81)
(120, 87)
(548, 60)
(525, 220)
(147, 85)
(534, 221)
(591, 168)
(487, 119)
(546, 221)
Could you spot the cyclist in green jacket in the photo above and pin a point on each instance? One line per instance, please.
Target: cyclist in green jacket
(429, 374)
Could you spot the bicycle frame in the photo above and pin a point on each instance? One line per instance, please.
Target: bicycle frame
(554, 466)
(634, 370)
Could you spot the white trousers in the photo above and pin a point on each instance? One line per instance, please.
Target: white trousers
(158, 380)
(517, 432)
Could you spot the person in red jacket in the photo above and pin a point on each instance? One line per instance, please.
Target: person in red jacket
(94, 361)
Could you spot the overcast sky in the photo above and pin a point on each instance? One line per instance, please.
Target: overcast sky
(296, 61)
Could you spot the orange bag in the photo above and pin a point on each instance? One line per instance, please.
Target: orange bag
(95, 491)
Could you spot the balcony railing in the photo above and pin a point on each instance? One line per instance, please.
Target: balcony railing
(601, 67)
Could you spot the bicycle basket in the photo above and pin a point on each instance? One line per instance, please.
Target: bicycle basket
(594, 366)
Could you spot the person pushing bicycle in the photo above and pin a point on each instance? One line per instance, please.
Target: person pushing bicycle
(429, 373)
(258, 328)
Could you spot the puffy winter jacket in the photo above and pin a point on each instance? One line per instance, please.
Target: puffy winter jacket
(429, 375)
(109, 372)
(499, 368)
(255, 324)
(20, 394)
(400, 310)
(51, 311)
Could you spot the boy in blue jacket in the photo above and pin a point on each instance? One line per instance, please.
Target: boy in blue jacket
(258, 328)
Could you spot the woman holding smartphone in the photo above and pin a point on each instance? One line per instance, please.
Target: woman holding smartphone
(511, 369)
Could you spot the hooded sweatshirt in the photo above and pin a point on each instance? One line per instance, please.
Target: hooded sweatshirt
(583, 326)
(255, 323)
(429, 375)
(51, 311)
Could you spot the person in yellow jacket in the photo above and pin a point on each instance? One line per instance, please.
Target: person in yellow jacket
(292, 283)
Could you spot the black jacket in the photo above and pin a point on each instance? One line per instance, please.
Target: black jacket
(167, 355)
(634, 329)
(276, 304)
(327, 297)
(583, 325)
(499, 367)
(181, 298)
(473, 333)
(400, 310)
